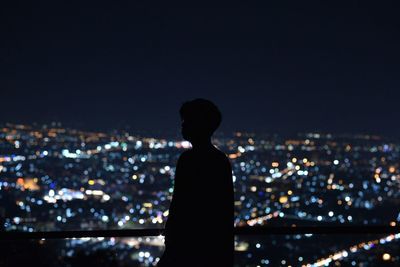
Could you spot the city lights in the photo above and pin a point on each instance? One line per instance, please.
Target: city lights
(62, 179)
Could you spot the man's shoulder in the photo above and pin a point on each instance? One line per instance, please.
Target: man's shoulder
(218, 157)
(214, 155)
(186, 154)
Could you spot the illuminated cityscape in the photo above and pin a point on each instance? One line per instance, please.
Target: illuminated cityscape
(58, 179)
(91, 129)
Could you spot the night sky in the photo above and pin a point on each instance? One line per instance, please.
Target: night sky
(283, 68)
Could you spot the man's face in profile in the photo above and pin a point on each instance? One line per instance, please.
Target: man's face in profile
(185, 130)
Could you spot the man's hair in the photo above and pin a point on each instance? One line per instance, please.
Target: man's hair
(203, 112)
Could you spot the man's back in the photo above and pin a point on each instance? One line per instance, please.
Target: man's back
(200, 224)
(199, 230)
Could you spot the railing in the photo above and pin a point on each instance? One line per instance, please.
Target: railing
(255, 230)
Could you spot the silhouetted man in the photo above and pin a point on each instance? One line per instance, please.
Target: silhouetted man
(199, 230)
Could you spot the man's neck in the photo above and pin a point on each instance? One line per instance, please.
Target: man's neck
(201, 144)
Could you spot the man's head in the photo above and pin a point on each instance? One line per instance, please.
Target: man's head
(200, 119)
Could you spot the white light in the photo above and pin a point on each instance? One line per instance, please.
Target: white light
(336, 162)
(51, 193)
(17, 220)
(186, 144)
(97, 192)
